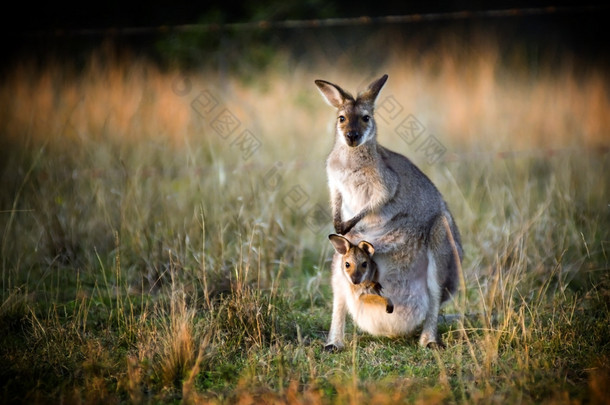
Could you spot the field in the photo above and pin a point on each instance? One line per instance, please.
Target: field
(164, 231)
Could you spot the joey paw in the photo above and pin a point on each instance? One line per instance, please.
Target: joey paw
(389, 306)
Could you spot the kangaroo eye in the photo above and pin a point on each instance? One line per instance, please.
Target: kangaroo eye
(366, 118)
(364, 264)
(347, 265)
(341, 118)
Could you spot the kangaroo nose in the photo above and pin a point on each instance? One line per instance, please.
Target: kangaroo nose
(352, 136)
(356, 278)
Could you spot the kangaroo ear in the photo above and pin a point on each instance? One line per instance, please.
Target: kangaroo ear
(367, 247)
(340, 244)
(333, 94)
(371, 93)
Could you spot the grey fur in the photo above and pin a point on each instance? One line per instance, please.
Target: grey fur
(380, 196)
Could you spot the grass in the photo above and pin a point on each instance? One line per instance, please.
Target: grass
(150, 255)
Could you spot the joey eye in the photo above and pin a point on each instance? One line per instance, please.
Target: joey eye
(341, 118)
(366, 118)
(347, 265)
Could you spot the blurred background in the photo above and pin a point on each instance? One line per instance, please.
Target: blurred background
(515, 73)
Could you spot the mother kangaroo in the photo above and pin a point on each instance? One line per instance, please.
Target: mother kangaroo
(380, 196)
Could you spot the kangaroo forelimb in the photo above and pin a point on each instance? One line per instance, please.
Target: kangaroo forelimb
(347, 226)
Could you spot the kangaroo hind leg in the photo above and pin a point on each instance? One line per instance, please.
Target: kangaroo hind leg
(429, 336)
(441, 277)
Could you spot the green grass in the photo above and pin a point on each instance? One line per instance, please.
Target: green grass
(145, 259)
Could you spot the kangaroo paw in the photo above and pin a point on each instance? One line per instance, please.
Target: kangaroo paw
(331, 348)
(431, 340)
(436, 345)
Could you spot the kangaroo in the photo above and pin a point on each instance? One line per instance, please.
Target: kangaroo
(358, 267)
(380, 196)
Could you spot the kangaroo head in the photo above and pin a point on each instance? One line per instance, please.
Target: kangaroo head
(357, 259)
(355, 122)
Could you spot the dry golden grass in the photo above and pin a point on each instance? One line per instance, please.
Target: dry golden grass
(463, 93)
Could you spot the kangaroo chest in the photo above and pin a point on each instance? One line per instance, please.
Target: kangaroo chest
(359, 187)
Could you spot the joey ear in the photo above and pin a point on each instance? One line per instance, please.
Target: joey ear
(340, 244)
(367, 247)
(371, 93)
(333, 94)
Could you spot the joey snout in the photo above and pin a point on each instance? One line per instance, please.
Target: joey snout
(356, 278)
